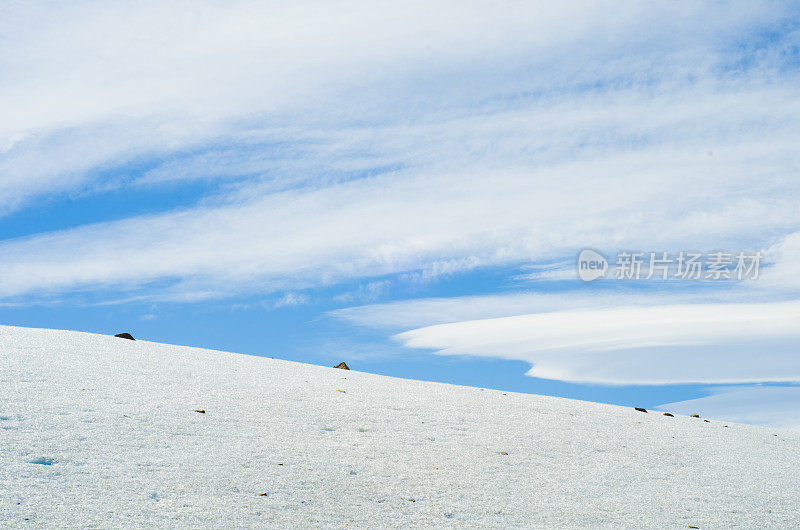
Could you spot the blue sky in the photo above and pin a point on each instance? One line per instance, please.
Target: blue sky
(406, 187)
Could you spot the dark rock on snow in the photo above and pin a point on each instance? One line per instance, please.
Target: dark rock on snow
(668, 414)
(125, 336)
(342, 365)
(640, 409)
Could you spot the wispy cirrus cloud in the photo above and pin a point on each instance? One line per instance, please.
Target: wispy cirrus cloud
(92, 84)
(411, 219)
(369, 139)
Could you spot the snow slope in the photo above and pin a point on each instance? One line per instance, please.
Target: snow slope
(101, 431)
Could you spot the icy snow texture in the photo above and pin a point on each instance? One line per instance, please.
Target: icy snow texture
(101, 431)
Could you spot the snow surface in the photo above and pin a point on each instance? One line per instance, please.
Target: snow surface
(101, 431)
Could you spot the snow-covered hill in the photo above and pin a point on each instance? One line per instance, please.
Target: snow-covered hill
(101, 431)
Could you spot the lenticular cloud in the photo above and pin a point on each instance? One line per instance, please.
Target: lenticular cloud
(710, 343)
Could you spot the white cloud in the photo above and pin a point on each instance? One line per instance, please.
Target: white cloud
(785, 257)
(408, 221)
(368, 292)
(293, 300)
(771, 406)
(487, 136)
(407, 314)
(695, 343)
(95, 84)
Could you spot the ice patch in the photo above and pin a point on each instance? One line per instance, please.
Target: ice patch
(44, 461)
